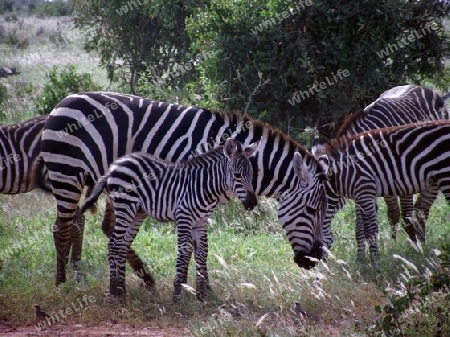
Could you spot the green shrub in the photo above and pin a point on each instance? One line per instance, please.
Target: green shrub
(12, 17)
(54, 8)
(418, 304)
(4, 96)
(19, 41)
(60, 84)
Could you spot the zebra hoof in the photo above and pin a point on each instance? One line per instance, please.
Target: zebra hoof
(79, 276)
(176, 298)
(361, 259)
(117, 290)
(60, 281)
(149, 283)
(201, 298)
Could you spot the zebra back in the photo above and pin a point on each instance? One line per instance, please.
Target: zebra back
(397, 106)
(393, 154)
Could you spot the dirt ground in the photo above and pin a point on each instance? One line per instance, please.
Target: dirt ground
(79, 330)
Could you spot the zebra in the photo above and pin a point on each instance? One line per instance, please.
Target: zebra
(186, 192)
(19, 148)
(394, 161)
(88, 131)
(398, 106)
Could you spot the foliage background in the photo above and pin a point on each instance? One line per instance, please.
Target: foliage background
(264, 51)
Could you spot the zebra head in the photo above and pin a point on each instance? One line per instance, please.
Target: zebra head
(308, 202)
(240, 171)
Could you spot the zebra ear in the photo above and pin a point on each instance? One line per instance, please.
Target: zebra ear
(315, 141)
(229, 148)
(300, 169)
(325, 162)
(251, 149)
(316, 146)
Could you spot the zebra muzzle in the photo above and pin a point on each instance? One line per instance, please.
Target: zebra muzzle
(310, 259)
(250, 202)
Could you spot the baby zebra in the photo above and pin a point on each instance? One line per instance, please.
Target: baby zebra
(395, 161)
(140, 184)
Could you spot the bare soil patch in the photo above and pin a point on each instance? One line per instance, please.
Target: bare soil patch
(87, 330)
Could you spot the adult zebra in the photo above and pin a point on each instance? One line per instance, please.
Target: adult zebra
(88, 131)
(399, 106)
(187, 192)
(19, 147)
(400, 160)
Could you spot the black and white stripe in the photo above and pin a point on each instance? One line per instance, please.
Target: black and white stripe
(88, 131)
(19, 147)
(399, 106)
(185, 192)
(394, 161)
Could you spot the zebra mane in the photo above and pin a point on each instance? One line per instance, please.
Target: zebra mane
(259, 128)
(347, 121)
(342, 142)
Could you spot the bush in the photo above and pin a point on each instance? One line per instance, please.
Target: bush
(54, 8)
(4, 96)
(17, 40)
(61, 84)
(418, 305)
(12, 17)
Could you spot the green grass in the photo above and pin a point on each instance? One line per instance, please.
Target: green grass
(254, 279)
(51, 42)
(252, 274)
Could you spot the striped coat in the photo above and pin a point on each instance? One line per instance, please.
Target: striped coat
(394, 161)
(86, 132)
(399, 106)
(185, 192)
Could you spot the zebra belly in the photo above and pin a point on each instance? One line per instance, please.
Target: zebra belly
(397, 186)
(159, 208)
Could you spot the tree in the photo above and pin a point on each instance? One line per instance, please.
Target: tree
(292, 63)
(134, 36)
(313, 62)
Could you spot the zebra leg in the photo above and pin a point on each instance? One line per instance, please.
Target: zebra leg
(334, 205)
(76, 238)
(422, 209)
(183, 256)
(408, 216)
(360, 239)
(366, 226)
(200, 242)
(61, 238)
(129, 218)
(67, 199)
(393, 213)
(139, 268)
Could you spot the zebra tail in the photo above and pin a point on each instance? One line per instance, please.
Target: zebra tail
(39, 176)
(93, 194)
(93, 208)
